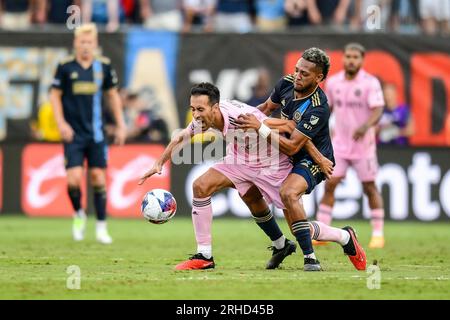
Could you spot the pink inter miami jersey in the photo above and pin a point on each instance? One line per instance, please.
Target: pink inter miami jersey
(245, 147)
(353, 102)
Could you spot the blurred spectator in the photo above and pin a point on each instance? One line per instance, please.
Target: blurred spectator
(330, 12)
(435, 15)
(404, 16)
(16, 14)
(102, 12)
(262, 88)
(233, 16)
(270, 15)
(131, 11)
(45, 127)
(162, 14)
(296, 12)
(198, 13)
(141, 116)
(396, 125)
(57, 10)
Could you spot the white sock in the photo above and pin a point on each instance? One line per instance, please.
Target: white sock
(80, 213)
(345, 237)
(279, 243)
(311, 256)
(378, 233)
(205, 250)
(101, 226)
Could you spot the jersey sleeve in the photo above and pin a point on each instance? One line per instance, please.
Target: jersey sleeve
(58, 79)
(110, 77)
(314, 120)
(275, 96)
(375, 97)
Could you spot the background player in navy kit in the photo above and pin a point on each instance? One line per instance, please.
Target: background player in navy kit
(76, 98)
(304, 102)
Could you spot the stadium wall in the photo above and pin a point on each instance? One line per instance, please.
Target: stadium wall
(415, 180)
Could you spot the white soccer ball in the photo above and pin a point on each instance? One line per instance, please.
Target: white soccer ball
(158, 206)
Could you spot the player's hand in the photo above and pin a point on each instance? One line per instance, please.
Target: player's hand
(66, 131)
(120, 135)
(326, 166)
(360, 132)
(157, 168)
(248, 121)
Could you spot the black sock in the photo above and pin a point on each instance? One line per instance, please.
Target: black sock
(100, 202)
(300, 229)
(269, 225)
(75, 197)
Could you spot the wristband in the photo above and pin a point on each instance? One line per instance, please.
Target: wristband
(264, 131)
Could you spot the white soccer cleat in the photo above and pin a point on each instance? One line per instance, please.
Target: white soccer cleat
(102, 233)
(103, 237)
(79, 226)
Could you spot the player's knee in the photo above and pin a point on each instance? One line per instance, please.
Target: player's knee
(97, 178)
(289, 195)
(200, 189)
(74, 181)
(252, 199)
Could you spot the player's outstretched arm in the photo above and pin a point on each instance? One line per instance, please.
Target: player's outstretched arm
(288, 126)
(282, 125)
(177, 141)
(288, 146)
(325, 164)
(268, 106)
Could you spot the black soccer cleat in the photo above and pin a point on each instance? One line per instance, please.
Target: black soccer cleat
(278, 255)
(312, 265)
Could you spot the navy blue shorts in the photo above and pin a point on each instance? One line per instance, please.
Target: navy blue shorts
(311, 172)
(95, 153)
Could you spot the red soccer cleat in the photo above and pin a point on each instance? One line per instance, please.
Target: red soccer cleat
(196, 262)
(355, 251)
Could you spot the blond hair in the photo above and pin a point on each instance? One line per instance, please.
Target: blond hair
(90, 28)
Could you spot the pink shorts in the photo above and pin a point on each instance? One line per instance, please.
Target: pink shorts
(267, 180)
(366, 168)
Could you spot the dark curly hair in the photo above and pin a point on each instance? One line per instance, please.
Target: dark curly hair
(207, 89)
(320, 58)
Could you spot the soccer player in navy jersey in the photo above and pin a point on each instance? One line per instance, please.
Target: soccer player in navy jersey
(303, 101)
(76, 97)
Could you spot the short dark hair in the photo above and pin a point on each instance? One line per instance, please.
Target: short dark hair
(320, 58)
(207, 89)
(356, 46)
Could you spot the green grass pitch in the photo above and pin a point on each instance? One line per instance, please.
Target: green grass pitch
(35, 255)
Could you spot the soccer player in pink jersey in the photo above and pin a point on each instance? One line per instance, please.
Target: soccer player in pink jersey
(357, 102)
(254, 168)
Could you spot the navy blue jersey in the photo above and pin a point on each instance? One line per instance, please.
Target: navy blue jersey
(311, 115)
(82, 95)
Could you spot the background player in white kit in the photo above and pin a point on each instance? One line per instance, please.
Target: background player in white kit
(356, 99)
